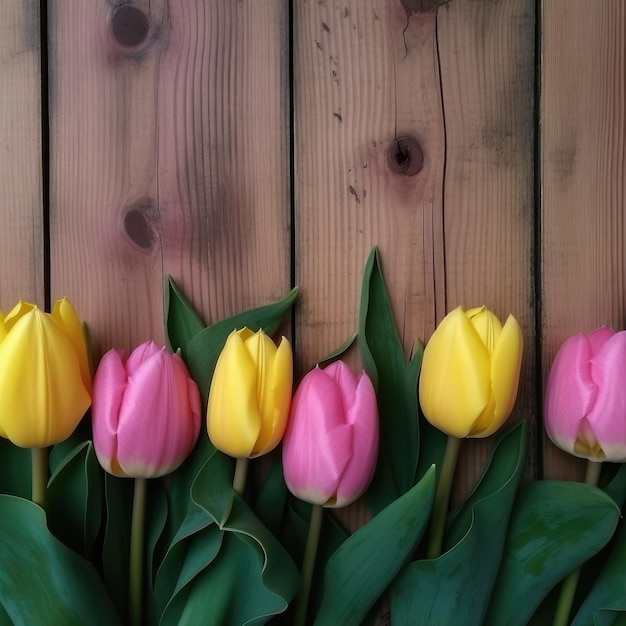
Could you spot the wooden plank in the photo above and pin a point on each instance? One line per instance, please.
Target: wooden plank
(583, 165)
(169, 155)
(487, 68)
(21, 208)
(458, 79)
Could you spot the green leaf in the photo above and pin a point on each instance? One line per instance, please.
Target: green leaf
(363, 567)
(15, 469)
(74, 498)
(396, 387)
(182, 322)
(116, 543)
(608, 595)
(248, 581)
(41, 580)
(204, 349)
(344, 347)
(555, 527)
(460, 581)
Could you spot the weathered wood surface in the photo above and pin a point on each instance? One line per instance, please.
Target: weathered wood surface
(169, 154)
(583, 179)
(21, 187)
(370, 78)
(415, 128)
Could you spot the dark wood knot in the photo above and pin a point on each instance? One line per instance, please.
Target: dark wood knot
(405, 156)
(130, 26)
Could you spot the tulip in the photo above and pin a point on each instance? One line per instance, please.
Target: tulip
(585, 402)
(146, 412)
(250, 394)
(330, 450)
(470, 373)
(45, 383)
(331, 443)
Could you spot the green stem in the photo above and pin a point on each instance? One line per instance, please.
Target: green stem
(308, 564)
(241, 471)
(442, 497)
(39, 461)
(568, 588)
(135, 580)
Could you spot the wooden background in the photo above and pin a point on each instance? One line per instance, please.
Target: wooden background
(246, 146)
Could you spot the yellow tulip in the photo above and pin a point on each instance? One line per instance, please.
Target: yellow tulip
(250, 394)
(470, 373)
(45, 384)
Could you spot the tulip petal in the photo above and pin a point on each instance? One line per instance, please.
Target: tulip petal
(233, 419)
(42, 397)
(362, 415)
(275, 406)
(108, 390)
(455, 382)
(18, 312)
(599, 337)
(346, 381)
(570, 392)
(67, 319)
(506, 362)
(607, 417)
(3, 328)
(487, 325)
(154, 435)
(317, 445)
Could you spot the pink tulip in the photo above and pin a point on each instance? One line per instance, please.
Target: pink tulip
(585, 403)
(331, 442)
(146, 412)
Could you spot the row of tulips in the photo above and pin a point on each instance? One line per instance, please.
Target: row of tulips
(147, 409)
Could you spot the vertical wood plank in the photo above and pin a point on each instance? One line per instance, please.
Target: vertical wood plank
(21, 208)
(457, 78)
(583, 176)
(170, 155)
(487, 52)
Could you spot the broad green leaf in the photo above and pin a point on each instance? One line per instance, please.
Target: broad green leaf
(396, 388)
(251, 579)
(555, 527)
(182, 322)
(271, 498)
(204, 348)
(155, 523)
(187, 522)
(460, 581)
(118, 493)
(616, 487)
(607, 597)
(74, 498)
(15, 469)
(365, 564)
(41, 580)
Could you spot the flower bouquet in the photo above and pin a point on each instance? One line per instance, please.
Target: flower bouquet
(229, 514)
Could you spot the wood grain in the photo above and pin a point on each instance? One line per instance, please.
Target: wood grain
(583, 165)
(170, 155)
(21, 189)
(458, 78)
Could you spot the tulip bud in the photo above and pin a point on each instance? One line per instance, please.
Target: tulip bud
(45, 385)
(470, 373)
(331, 443)
(585, 401)
(146, 412)
(250, 394)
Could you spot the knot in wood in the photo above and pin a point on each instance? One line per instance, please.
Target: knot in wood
(130, 26)
(137, 223)
(405, 156)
